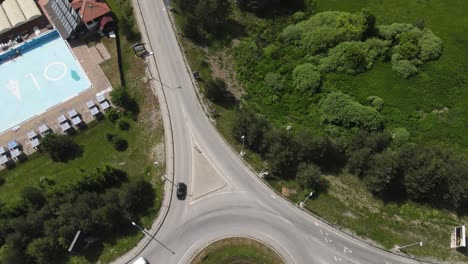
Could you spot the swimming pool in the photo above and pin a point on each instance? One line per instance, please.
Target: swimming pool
(36, 76)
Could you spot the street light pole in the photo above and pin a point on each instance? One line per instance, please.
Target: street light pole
(242, 153)
(409, 245)
(145, 232)
(302, 204)
(167, 179)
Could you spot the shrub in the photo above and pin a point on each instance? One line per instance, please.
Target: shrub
(400, 136)
(382, 173)
(215, 89)
(390, 32)
(404, 68)
(340, 109)
(354, 57)
(308, 176)
(123, 125)
(377, 102)
(113, 115)
(306, 78)
(61, 148)
(275, 82)
(291, 35)
(327, 29)
(2, 181)
(430, 45)
(119, 143)
(299, 16)
(122, 98)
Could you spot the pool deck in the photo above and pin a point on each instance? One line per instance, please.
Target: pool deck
(99, 82)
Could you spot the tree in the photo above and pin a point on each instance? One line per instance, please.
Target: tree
(423, 174)
(340, 109)
(358, 161)
(136, 197)
(119, 144)
(308, 176)
(113, 115)
(382, 173)
(275, 82)
(215, 89)
(281, 153)
(400, 136)
(33, 197)
(212, 14)
(260, 7)
(43, 250)
(306, 78)
(61, 148)
(122, 98)
(254, 127)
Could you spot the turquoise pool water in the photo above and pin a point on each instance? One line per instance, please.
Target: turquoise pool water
(36, 76)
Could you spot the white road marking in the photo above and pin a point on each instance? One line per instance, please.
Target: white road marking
(336, 259)
(272, 196)
(316, 224)
(347, 250)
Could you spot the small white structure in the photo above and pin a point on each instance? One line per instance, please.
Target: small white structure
(458, 237)
(105, 105)
(64, 125)
(33, 138)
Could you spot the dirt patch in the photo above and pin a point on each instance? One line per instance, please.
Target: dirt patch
(223, 67)
(439, 111)
(288, 191)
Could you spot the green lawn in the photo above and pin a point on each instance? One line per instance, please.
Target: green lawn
(409, 103)
(237, 250)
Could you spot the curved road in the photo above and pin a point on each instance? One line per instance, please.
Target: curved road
(244, 205)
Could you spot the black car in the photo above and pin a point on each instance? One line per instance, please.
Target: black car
(181, 190)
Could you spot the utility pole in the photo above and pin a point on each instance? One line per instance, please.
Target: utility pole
(242, 153)
(409, 245)
(152, 237)
(302, 204)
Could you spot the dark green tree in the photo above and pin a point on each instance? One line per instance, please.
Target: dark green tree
(33, 197)
(382, 173)
(215, 89)
(43, 250)
(309, 176)
(61, 148)
(212, 14)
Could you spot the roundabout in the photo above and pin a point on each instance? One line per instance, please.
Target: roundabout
(237, 250)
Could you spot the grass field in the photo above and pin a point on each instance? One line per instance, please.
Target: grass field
(237, 250)
(410, 103)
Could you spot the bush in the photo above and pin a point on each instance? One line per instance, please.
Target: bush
(2, 181)
(382, 173)
(215, 89)
(430, 45)
(291, 35)
(327, 29)
(274, 82)
(299, 16)
(123, 125)
(309, 176)
(400, 136)
(119, 143)
(122, 98)
(377, 102)
(405, 68)
(391, 32)
(354, 57)
(340, 109)
(61, 148)
(306, 78)
(113, 115)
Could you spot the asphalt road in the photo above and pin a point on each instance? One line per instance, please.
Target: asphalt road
(245, 207)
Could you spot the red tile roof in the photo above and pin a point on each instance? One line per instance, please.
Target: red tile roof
(90, 9)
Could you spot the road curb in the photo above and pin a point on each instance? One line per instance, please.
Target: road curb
(169, 146)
